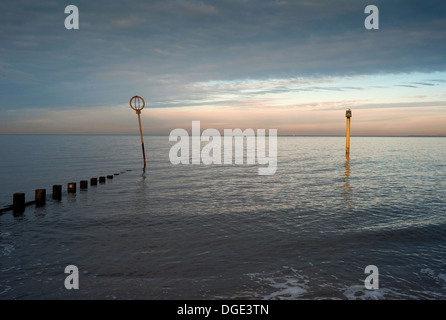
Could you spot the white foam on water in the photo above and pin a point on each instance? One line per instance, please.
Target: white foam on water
(440, 278)
(358, 292)
(9, 268)
(443, 277)
(6, 249)
(5, 289)
(428, 271)
(283, 286)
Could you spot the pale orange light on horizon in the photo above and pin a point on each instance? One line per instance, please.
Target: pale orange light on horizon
(288, 120)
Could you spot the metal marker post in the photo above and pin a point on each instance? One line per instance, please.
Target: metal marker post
(348, 115)
(137, 103)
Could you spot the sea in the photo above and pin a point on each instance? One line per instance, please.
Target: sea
(222, 231)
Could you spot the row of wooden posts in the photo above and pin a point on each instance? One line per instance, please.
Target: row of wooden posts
(137, 103)
(19, 203)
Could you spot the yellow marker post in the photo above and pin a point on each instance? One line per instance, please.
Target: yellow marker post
(137, 103)
(348, 115)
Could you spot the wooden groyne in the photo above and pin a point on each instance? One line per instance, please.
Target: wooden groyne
(40, 196)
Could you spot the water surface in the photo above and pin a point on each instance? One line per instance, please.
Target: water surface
(223, 231)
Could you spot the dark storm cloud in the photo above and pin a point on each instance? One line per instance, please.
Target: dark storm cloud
(159, 48)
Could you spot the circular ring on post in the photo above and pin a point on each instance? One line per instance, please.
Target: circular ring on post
(137, 103)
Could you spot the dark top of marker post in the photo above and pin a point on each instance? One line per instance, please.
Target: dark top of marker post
(348, 113)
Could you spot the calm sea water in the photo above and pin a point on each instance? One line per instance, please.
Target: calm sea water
(223, 231)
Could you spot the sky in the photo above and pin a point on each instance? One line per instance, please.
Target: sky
(294, 66)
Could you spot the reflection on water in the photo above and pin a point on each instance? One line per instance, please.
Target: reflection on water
(143, 174)
(223, 231)
(142, 186)
(346, 186)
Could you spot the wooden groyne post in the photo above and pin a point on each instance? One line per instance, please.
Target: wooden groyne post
(57, 192)
(83, 184)
(71, 187)
(40, 197)
(19, 203)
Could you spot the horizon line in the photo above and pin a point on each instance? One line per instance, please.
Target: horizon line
(166, 135)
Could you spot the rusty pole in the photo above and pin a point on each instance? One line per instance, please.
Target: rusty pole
(137, 101)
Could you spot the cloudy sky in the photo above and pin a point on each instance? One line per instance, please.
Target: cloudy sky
(294, 66)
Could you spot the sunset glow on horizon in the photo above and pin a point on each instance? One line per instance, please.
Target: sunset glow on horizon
(275, 68)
